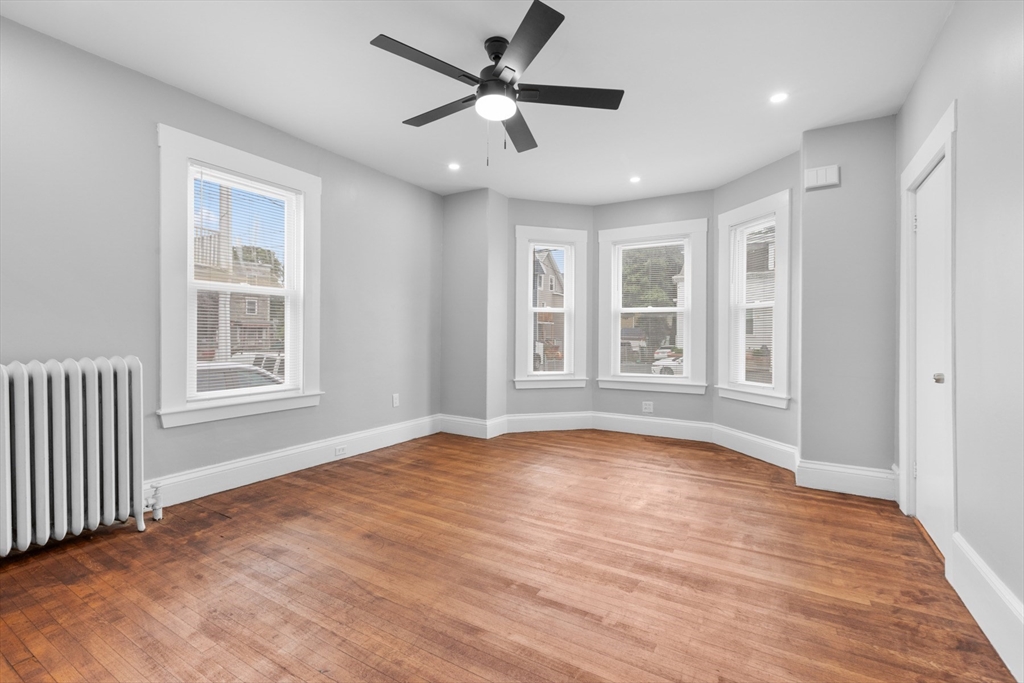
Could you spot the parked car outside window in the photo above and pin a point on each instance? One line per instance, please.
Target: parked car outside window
(667, 352)
(672, 365)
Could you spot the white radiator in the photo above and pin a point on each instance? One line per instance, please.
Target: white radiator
(70, 448)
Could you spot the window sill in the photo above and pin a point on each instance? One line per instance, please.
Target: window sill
(550, 382)
(666, 385)
(178, 417)
(763, 398)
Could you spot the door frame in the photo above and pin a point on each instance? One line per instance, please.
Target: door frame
(939, 146)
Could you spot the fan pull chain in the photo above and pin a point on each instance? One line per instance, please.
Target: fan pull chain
(488, 143)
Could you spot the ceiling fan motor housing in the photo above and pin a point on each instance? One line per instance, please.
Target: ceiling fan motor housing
(494, 86)
(495, 47)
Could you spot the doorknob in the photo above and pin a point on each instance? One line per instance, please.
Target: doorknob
(939, 378)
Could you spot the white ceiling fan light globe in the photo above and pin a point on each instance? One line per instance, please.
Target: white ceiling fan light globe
(495, 107)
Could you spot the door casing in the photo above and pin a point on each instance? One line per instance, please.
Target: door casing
(939, 146)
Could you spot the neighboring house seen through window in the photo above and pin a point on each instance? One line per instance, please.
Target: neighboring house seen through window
(754, 302)
(550, 307)
(236, 232)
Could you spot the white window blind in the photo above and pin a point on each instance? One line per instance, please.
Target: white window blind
(652, 306)
(244, 286)
(752, 304)
(550, 311)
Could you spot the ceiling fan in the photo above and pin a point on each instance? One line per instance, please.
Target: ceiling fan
(498, 90)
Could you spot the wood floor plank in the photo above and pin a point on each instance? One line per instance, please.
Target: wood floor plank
(80, 657)
(45, 653)
(585, 556)
(7, 672)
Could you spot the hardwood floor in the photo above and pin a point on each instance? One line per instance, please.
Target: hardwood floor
(559, 556)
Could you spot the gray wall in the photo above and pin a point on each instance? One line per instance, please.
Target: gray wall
(499, 350)
(79, 260)
(678, 207)
(979, 61)
(549, 215)
(850, 262)
(474, 347)
(464, 290)
(771, 423)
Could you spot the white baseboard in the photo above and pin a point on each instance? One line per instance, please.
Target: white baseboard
(771, 451)
(653, 426)
(204, 481)
(993, 605)
(774, 452)
(468, 426)
(550, 422)
(861, 481)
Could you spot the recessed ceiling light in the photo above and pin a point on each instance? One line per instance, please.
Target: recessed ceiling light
(453, 166)
(778, 97)
(635, 179)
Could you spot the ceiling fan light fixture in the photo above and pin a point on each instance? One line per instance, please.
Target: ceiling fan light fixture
(498, 89)
(496, 107)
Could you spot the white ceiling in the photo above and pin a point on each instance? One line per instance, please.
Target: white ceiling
(697, 77)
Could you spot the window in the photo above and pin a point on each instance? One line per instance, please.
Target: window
(550, 308)
(654, 307)
(753, 310)
(239, 282)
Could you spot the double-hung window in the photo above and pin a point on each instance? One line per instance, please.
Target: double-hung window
(550, 308)
(753, 311)
(239, 282)
(654, 307)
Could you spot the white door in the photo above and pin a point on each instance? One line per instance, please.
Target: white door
(934, 358)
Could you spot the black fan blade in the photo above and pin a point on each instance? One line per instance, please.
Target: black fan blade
(423, 59)
(519, 132)
(596, 98)
(441, 112)
(538, 25)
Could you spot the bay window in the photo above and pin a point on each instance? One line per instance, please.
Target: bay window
(653, 307)
(753, 328)
(550, 308)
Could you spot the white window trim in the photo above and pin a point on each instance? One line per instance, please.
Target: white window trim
(177, 148)
(574, 292)
(776, 396)
(695, 231)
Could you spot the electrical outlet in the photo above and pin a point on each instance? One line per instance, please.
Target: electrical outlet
(394, 400)
(339, 450)
(648, 406)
